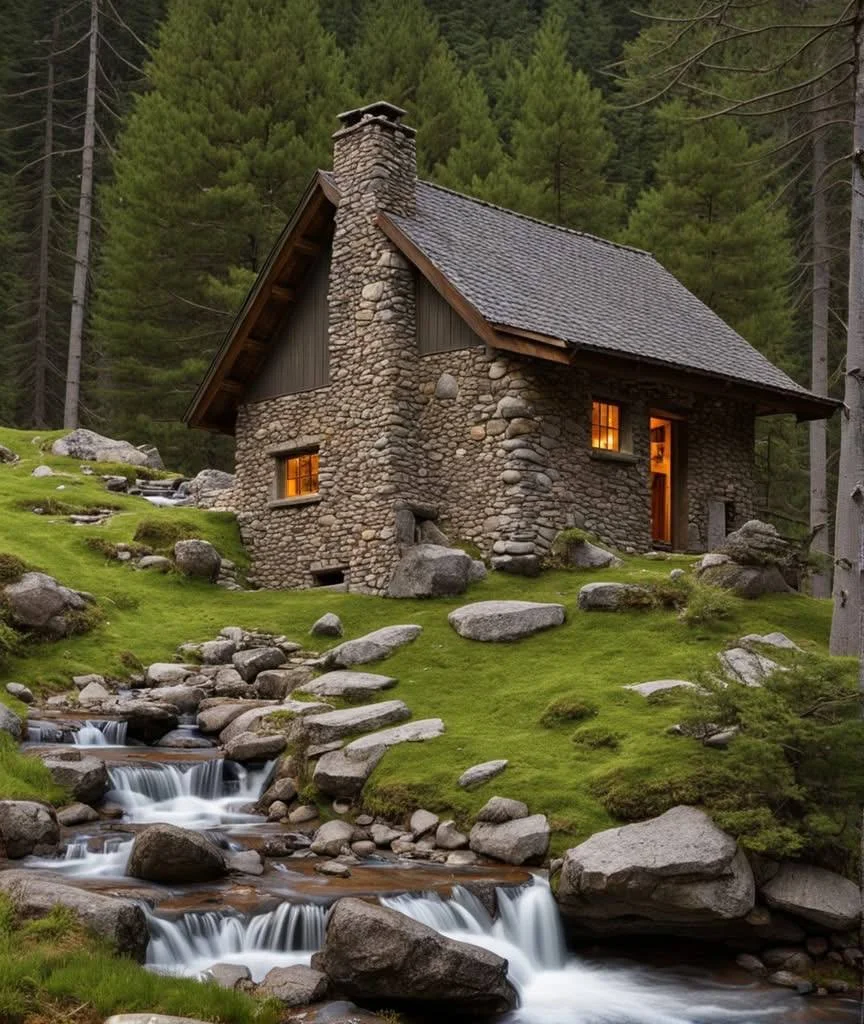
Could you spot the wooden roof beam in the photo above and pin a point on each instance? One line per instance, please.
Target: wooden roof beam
(282, 293)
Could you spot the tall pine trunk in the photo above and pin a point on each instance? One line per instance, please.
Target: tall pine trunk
(847, 584)
(821, 581)
(85, 230)
(40, 350)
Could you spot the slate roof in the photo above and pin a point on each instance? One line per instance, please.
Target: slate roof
(591, 293)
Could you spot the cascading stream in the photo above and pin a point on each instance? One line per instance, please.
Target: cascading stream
(101, 733)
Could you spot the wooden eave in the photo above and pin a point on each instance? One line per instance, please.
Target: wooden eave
(767, 401)
(248, 342)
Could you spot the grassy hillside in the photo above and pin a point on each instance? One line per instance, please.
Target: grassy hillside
(491, 697)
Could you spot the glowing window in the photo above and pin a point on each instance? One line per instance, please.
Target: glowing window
(606, 426)
(300, 475)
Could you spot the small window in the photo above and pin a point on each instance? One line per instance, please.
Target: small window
(606, 426)
(298, 475)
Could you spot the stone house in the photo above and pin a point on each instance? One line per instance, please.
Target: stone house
(410, 356)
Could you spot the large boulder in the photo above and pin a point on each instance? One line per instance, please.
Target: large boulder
(185, 698)
(373, 953)
(121, 921)
(209, 485)
(295, 986)
(219, 716)
(197, 558)
(168, 854)
(748, 581)
(341, 776)
(167, 673)
(331, 837)
(20, 692)
(92, 447)
(372, 647)
(277, 683)
(39, 603)
(410, 732)
(677, 869)
(257, 659)
(349, 685)
(520, 841)
(756, 543)
(146, 720)
(430, 570)
(747, 667)
(612, 597)
(87, 779)
(498, 621)
(817, 895)
(27, 827)
(250, 746)
(10, 723)
(336, 725)
(582, 554)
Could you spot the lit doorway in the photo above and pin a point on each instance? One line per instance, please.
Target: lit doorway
(661, 480)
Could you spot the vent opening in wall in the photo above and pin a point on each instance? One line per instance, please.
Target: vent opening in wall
(328, 578)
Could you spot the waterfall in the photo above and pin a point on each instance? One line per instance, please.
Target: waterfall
(80, 861)
(47, 732)
(290, 934)
(199, 795)
(101, 733)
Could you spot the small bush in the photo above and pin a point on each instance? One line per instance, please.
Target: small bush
(163, 533)
(129, 661)
(83, 621)
(596, 737)
(629, 795)
(707, 605)
(559, 712)
(11, 569)
(10, 641)
(122, 602)
(109, 550)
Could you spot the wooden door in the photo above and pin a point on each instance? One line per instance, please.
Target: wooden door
(662, 482)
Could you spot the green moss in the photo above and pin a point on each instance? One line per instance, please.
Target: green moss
(111, 550)
(132, 473)
(161, 534)
(707, 605)
(12, 568)
(563, 710)
(26, 778)
(595, 737)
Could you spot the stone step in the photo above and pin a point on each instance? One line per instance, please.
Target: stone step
(411, 732)
(335, 725)
(347, 684)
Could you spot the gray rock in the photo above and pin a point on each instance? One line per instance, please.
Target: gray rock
(93, 693)
(748, 581)
(300, 815)
(789, 980)
(678, 867)
(384, 835)
(20, 692)
(770, 640)
(747, 667)
(277, 683)
(334, 868)
(751, 963)
(182, 739)
(295, 986)
(27, 827)
(151, 1018)
(477, 774)
(462, 858)
(523, 841)
(410, 732)
(208, 481)
(363, 848)
(710, 560)
(89, 446)
(328, 625)
(10, 723)
(331, 837)
(76, 814)
(258, 659)
(39, 603)
(499, 809)
(154, 563)
(197, 558)
(756, 543)
(7, 456)
(585, 555)
(337, 775)
(218, 652)
(249, 719)
(167, 673)
(41, 471)
(817, 895)
(429, 570)
(611, 597)
(336, 725)
(120, 921)
(220, 716)
(185, 698)
(284, 789)
(448, 837)
(87, 779)
(147, 721)
(245, 862)
(659, 686)
(499, 621)
(168, 854)
(376, 954)
(250, 746)
(372, 647)
(228, 975)
(347, 684)
(423, 822)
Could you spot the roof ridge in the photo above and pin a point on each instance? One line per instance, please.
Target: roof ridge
(537, 220)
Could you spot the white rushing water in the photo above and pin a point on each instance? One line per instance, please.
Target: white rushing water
(554, 988)
(81, 862)
(204, 794)
(101, 733)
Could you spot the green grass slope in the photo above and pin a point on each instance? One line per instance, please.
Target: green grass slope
(491, 697)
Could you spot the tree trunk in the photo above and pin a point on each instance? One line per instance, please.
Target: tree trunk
(85, 230)
(821, 580)
(847, 586)
(40, 351)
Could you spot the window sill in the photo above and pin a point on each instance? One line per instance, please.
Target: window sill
(305, 499)
(604, 455)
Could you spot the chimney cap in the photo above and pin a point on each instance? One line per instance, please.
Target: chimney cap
(378, 109)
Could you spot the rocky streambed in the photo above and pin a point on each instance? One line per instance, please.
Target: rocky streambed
(190, 846)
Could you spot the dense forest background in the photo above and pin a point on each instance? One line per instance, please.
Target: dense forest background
(208, 116)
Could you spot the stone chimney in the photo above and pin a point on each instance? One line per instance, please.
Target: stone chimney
(375, 154)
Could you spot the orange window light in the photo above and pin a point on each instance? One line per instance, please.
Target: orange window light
(606, 426)
(301, 475)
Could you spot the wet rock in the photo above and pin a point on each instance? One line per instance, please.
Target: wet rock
(678, 867)
(27, 827)
(384, 835)
(334, 868)
(448, 837)
(331, 837)
(789, 980)
(524, 841)
(87, 779)
(350, 685)
(147, 721)
(462, 858)
(363, 848)
(76, 814)
(10, 723)
(477, 774)
(502, 621)
(751, 963)
(328, 625)
(197, 558)
(277, 810)
(228, 975)
(20, 692)
(817, 895)
(182, 739)
(39, 603)
(120, 921)
(611, 597)
(250, 663)
(295, 986)
(499, 809)
(246, 862)
(372, 953)
(168, 854)
(250, 746)
(89, 446)
(218, 652)
(335, 725)
(372, 647)
(430, 570)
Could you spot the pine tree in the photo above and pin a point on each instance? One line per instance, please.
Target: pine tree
(210, 164)
(712, 220)
(561, 145)
(478, 154)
